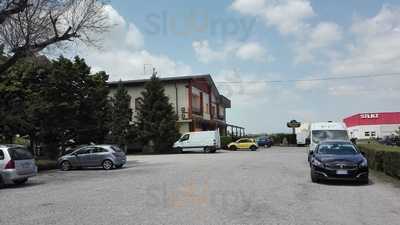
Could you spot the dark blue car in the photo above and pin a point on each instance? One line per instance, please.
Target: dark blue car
(264, 141)
(338, 160)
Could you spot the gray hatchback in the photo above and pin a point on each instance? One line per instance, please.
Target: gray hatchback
(106, 156)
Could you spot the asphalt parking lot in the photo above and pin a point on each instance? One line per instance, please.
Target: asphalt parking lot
(264, 187)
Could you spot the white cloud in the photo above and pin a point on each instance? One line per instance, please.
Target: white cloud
(375, 51)
(320, 39)
(288, 16)
(248, 51)
(253, 51)
(376, 48)
(123, 54)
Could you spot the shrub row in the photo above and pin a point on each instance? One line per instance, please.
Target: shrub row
(383, 158)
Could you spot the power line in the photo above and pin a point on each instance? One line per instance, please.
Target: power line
(313, 79)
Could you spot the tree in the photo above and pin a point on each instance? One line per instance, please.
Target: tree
(156, 119)
(121, 116)
(53, 102)
(29, 26)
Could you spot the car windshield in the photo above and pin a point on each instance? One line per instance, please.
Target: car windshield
(19, 154)
(323, 135)
(337, 149)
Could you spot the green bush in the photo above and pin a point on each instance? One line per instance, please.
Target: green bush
(225, 140)
(383, 158)
(45, 164)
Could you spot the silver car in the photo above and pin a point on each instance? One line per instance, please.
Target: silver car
(16, 165)
(106, 156)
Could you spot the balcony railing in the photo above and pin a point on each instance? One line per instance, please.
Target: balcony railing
(197, 110)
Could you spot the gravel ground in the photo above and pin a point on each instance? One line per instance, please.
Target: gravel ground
(270, 186)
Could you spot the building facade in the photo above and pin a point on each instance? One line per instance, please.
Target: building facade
(373, 125)
(195, 99)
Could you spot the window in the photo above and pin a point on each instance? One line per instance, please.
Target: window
(19, 154)
(137, 103)
(83, 151)
(337, 149)
(185, 137)
(116, 148)
(244, 140)
(99, 150)
(1, 155)
(373, 134)
(366, 134)
(322, 135)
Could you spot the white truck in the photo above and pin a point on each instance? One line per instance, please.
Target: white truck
(302, 134)
(204, 141)
(323, 131)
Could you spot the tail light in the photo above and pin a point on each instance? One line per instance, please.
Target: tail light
(10, 165)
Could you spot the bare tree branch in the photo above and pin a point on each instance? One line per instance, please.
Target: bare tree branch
(45, 23)
(10, 7)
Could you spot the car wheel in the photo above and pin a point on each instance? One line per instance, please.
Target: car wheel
(233, 148)
(107, 164)
(253, 148)
(364, 181)
(1, 182)
(65, 166)
(314, 178)
(207, 150)
(22, 181)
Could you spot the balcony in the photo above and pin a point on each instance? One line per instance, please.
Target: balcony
(197, 110)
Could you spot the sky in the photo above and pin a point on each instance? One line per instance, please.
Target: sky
(244, 44)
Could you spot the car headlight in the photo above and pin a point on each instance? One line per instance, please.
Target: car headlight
(316, 162)
(364, 163)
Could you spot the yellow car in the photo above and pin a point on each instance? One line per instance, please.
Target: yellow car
(243, 143)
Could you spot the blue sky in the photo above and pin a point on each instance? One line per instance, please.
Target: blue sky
(257, 40)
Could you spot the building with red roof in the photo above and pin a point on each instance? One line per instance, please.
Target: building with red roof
(373, 125)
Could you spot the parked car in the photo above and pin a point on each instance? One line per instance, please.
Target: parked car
(17, 165)
(264, 141)
(243, 143)
(390, 140)
(207, 141)
(338, 160)
(106, 156)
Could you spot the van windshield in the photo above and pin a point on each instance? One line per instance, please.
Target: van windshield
(323, 135)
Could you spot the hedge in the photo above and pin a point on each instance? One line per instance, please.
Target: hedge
(383, 158)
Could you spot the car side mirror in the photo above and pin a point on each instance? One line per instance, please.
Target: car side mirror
(363, 153)
(311, 153)
(308, 141)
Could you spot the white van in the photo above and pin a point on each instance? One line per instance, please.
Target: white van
(324, 131)
(205, 141)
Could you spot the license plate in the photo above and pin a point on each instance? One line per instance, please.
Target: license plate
(341, 172)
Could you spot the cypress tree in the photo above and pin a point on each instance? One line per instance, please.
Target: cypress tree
(156, 119)
(121, 115)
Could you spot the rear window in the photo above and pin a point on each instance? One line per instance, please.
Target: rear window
(19, 154)
(116, 149)
(1, 155)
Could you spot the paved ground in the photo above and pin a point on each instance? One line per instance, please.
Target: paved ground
(265, 187)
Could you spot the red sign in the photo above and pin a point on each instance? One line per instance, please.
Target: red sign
(373, 119)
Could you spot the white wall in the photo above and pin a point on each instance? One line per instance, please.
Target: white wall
(380, 130)
(181, 91)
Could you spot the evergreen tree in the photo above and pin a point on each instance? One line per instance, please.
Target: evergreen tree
(156, 119)
(121, 116)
